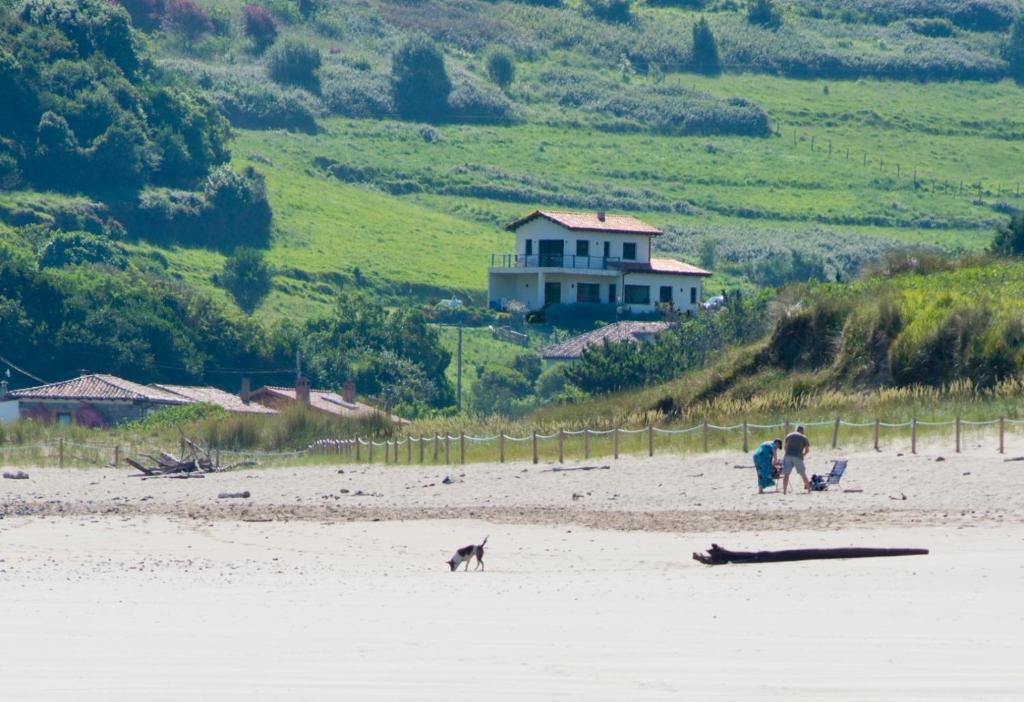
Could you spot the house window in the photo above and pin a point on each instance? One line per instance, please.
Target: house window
(588, 292)
(611, 293)
(693, 296)
(529, 247)
(607, 249)
(665, 294)
(629, 252)
(582, 248)
(637, 294)
(64, 419)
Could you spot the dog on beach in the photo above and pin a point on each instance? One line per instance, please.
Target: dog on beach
(466, 554)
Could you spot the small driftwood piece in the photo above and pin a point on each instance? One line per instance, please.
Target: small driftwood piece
(717, 555)
(16, 475)
(558, 469)
(233, 495)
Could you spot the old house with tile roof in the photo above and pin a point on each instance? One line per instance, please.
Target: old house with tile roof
(342, 404)
(572, 349)
(590, 258)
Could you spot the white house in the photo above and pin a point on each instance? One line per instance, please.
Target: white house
(590, 258)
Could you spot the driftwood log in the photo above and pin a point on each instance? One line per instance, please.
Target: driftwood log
(16, 475)
(717, 555)
(194, 463)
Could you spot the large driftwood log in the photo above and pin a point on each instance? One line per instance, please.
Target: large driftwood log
(717, 555)
(194, 463)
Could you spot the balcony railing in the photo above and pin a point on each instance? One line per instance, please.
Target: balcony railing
(552, 261)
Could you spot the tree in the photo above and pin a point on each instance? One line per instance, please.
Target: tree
(145, 14)
(236, 209)
(705, 49)
(501, 69)
(188, 19)
(501, 391)
(765, 14)
(259, 25)
(708, 253)
(1009, 239)
(247, 277)
(611, 10)
(77, 248)
(295, 63)
(1015, 49)
(420, 83)
(529, 365)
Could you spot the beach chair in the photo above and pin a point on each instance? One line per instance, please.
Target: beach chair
(821, 482)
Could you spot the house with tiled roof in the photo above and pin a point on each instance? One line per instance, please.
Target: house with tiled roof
(572, 349)
(342, 404)
(215, 396)
(94, 400)
(590, 258)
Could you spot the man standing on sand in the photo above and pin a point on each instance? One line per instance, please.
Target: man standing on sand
(796, 447)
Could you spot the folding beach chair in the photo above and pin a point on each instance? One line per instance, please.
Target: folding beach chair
(821, 482)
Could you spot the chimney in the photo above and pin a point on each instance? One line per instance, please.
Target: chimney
(243, 395)
(302, 389)
(348, 392)
(600, 215)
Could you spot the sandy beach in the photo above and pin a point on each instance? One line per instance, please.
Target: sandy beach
(332, 585)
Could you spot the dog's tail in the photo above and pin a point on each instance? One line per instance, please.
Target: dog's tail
(485, 540)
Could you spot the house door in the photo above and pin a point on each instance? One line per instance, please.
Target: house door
(552, 252)
(552, 293)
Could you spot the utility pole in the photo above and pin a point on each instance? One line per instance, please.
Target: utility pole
(458, 372)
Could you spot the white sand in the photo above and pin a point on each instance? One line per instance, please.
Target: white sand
(112, 591)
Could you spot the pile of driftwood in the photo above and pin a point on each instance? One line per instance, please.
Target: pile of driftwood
(195, 462)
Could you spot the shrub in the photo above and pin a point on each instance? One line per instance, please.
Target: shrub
(145, 14)
(470, 102)
(247, 277)
(188, 19)
(77, 248)
(501, 391)
(295, 63)
(611, 10)
(420, 83)
(259, 25)
(931, 27)
(1009, 239)
(267, 107)
(501, 69)
(354, 93)
(765, 14)
(1015, 50)
(236, 208)
(93, 26)
(705, 49)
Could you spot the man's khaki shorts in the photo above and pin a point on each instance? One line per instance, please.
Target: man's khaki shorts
(791, 462)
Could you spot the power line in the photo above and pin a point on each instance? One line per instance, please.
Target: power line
(23, 371)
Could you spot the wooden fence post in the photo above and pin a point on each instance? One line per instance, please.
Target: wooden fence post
(615, 442)
(1002, 434)
(913, 434)
(359, 450)
(462, 448)
(408, 448)
(369, 449)
(535, 446)
(958, 434)
(447, 447)
(181, 448)
(561, 445)
(705, 429)
(60, 454)
(835, 433)
(117, 457)
(423, 447)
(878, 425)
(436, 447)
(650, 439)
(387, 449)
(501, 447)
(746, 445)
(785, 427)
(586, 443)
(218, 458)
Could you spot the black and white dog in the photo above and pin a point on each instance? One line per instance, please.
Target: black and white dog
(466, 553)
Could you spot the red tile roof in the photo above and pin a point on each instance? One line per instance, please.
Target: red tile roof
(619, 331)
(99, 387)
(216, 396)
(325, 401)
(664, 265)
(590, 222)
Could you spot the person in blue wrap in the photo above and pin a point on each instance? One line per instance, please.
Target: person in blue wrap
(765, 461)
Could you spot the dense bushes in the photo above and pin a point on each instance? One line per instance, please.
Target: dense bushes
(351, 92)
(670, 110)
(611, 10)
(977, 15)
(267, 107)
(1014, 51)
(232, 211)
(1009, 239)
(295, 63)
(247, 277)
(79, 115)
(77, 248)
(501, 69)
(259, 25)
(420, 81)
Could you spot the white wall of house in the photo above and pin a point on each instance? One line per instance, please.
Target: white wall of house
(9, 411)
(541, 228)
(682, 286)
